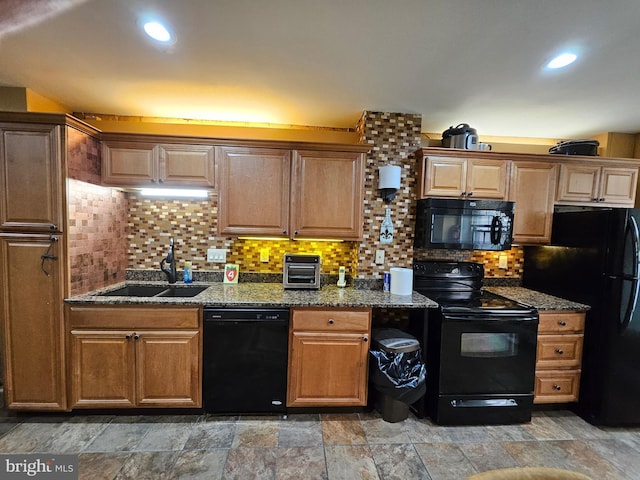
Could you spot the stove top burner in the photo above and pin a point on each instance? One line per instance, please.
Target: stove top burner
(457, 287)
(481, 302)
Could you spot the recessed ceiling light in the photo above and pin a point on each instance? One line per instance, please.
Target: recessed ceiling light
(157, 31)
(562, 60)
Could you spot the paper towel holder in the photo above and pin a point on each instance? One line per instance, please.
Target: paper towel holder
(389, 181)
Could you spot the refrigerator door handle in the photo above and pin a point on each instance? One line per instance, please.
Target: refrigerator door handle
(632, 228)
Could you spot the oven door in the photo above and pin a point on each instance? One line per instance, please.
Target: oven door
(488, 353)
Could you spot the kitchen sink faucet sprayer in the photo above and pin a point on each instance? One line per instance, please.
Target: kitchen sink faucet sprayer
(171, 260)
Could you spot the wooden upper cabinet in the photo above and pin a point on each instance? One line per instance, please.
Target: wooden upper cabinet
(464, 177)
(152, 164)
(253, 191)
(31, 175)
(444, 177)
(304, 194)
(327, 194)
(129, 163)
(581, 184)
(188, 165)
(532, 189)
(487, 178)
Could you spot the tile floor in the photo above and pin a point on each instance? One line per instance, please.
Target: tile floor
(327, 446)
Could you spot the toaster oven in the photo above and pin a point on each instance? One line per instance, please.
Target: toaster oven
(301, 271)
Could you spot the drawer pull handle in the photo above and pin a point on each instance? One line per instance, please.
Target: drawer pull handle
(559, 351)
(562, 323)
(331, 321)
(556, 388)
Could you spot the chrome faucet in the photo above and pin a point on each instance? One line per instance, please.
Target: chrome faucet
(171, 260)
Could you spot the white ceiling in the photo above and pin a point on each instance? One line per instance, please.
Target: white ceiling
(322, 62)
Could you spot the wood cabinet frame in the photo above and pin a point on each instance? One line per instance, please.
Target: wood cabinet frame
(328, 357)
(559, 356)
(135, 356)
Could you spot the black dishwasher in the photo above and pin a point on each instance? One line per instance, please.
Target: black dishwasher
(245, 360)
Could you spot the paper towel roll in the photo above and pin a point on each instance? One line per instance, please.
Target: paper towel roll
(401, 281)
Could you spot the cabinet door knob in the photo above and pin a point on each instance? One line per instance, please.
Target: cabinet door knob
(562, 323)
(556, 388)
(53, 227)
(559, 351)
(601, 199)
(153, 180)
(295, 232)
(331, 321)
(463, 194)
(136, 336)
(161, 180)
(284, 231)
(365, 339)
(128, 336)
(469, 194)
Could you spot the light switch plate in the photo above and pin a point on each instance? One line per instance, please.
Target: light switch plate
(264, 255)
(379, 257)
(502, 262)
(217, 255)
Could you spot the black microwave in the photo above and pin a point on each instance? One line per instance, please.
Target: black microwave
(463, 224)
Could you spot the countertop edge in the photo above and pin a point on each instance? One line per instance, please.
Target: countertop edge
(261, 295)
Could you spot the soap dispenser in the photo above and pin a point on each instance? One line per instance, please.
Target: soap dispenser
(187, 275)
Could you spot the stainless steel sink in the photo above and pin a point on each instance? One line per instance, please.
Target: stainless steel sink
(155, 291)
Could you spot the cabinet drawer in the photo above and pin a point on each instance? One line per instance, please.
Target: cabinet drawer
(133, 317)
(556, 386)
(332, 320)
(559, 351)
(560, 322)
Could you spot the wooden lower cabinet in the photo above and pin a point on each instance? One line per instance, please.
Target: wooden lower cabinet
(559, 356)
(140, 365)
(32, 318)
(328, 357)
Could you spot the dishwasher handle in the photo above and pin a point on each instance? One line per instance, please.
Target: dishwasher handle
(246, 315)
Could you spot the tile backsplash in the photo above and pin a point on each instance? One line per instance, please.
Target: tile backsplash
(97, 236)
(193, 225)
(97, 219)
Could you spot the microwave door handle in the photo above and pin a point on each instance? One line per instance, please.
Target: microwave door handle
(496, 230)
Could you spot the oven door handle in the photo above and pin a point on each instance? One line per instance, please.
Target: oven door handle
(491, 318)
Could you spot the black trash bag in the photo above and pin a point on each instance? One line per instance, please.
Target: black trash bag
(401, 376)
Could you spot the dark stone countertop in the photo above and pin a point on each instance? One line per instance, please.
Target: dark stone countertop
(541, 301)
(263, 295)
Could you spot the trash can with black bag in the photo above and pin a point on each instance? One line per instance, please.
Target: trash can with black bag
(397, 372)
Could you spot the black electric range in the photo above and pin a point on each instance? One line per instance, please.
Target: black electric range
(480, 348)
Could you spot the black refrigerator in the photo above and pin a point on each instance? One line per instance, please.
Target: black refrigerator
(594, 259)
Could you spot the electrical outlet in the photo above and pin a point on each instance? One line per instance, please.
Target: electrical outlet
(217, 255)
(264, 255)
(502, 262)
(379, 257)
